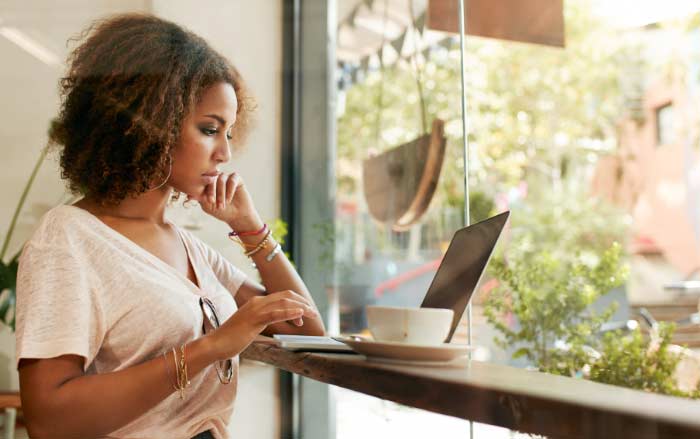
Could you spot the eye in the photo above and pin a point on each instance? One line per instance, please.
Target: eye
(209, 131)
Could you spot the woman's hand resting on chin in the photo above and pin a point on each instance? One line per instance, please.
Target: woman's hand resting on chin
(228, 200)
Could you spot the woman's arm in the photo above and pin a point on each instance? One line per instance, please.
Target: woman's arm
(279, 275)
(229, 201)
(59, 401)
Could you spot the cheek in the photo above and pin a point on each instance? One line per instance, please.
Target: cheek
(191, 157)
(192, 148)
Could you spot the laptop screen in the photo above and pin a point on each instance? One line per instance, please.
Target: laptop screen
(461, 268)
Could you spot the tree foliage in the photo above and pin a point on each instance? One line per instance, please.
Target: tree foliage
(535, 113)
(538, 116)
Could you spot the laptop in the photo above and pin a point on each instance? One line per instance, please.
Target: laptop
(452, 287)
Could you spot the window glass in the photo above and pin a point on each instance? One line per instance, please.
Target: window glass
(604, 233)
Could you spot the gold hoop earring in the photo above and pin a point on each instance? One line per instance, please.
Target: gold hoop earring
(170, 171)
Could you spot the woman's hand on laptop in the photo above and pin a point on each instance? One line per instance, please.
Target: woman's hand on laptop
(234, 335)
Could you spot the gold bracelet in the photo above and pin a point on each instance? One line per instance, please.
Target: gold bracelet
(249, 247)
(238, 241)
(260, 245)
(177, 374)
(185, 381)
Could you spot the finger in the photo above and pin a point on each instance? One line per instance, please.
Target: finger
(291, 298)
(295, 296)
(288, 294)
(286, 303)
(232, 184)
(282, 315)
(210, 192)
(221, 190)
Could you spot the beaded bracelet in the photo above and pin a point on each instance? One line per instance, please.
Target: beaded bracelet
(260, 246)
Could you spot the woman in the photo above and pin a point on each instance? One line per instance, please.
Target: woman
(117, 308)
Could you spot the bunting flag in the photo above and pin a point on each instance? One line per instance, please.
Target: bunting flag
(364, 65)
(390, 55)
(420, 23)
(397, 44)
(355, 75)
(373, 63)
(351, 17)
(358, 71)
(447, 43)
(402, 63)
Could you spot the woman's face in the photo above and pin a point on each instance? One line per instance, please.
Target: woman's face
(204, 140)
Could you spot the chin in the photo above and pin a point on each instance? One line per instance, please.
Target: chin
(187, 191)
(196, 190)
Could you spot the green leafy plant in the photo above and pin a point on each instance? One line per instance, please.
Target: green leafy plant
(628, 360)
(551, 299)
(279, 231)
(558, 332)
(562, 256)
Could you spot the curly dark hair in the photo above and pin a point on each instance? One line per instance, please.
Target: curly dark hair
(128, 88)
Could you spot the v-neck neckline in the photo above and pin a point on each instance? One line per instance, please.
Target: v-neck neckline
(148, 255)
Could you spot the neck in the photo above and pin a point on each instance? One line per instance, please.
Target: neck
(149, 206)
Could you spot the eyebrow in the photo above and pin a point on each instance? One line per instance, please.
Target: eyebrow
(217, 117)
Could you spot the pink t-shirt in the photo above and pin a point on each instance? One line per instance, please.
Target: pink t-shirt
(85, 289)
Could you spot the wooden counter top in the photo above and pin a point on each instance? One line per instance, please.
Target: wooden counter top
(527, 401)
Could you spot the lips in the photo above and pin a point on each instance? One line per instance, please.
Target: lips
(211, 174)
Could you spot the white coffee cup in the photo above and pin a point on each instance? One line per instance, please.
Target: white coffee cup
(420, 326)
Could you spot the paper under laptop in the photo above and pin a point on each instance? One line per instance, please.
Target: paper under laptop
(452, 287)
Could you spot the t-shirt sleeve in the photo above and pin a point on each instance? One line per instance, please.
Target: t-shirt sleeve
(58, 310)
(228, 274)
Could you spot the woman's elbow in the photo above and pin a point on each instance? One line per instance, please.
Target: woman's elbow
(37, 425)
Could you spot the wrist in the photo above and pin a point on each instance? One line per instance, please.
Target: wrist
(246, 224)
(222, 346)
(213, 348)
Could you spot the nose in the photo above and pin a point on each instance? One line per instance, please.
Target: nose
(222, 153)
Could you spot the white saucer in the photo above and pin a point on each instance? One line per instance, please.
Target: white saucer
(405, 352)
